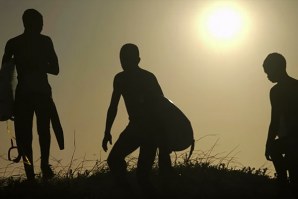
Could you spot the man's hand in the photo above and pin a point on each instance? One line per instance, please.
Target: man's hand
(107, 138)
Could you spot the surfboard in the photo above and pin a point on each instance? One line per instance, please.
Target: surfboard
(176, 126)
(57, 127)
(6, 91)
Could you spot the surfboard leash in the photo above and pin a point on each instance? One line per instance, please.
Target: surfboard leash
(12, 147)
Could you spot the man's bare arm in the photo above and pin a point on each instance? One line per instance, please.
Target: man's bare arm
(112, 111)
(274, 122)
(274, 125)
(7, 56)
(53, 65)
(111, 115)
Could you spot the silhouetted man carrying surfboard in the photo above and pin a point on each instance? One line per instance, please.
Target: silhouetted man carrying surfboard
(34, 56)
(137, 87)
(282, 140)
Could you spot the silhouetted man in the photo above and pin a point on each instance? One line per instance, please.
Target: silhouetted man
(34, 56)
(138, 88)
(282, 140)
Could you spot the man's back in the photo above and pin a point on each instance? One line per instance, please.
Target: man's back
(31, 54)
(284, 97)
(138, 87)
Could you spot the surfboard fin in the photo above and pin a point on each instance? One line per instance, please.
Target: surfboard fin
(192, 147)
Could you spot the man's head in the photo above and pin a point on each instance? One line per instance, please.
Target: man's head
(32, 21)
(275, 67)
(129, 56)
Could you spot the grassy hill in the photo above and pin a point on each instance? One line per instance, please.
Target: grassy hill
(195, 179)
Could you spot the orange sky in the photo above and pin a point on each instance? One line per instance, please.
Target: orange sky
(222, 89)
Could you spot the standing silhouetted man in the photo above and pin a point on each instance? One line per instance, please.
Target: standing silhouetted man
(282, 140)
(138, 88)
(34, 56)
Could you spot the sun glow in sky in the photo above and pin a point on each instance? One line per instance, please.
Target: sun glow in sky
(223, 23)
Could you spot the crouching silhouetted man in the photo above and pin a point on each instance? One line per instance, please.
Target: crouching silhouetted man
(34, 57)
(138, 88)
(282, 140)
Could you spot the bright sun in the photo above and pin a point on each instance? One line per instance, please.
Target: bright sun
(222, 24)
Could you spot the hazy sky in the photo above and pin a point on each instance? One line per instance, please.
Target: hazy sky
(220, 86)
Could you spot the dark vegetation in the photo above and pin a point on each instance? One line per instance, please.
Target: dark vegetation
(196, 178)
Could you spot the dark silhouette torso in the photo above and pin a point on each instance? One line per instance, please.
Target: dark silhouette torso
(31, 55)
(137, 86)
(284, 98)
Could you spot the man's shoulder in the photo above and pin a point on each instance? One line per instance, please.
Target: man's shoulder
(275, 90)
(22, 37)
(294, 87)
(275, 87)
(45, 37)
(139, 72)
(118, 75)
(147, 73)
(15, 39)
(295, 81)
